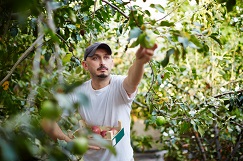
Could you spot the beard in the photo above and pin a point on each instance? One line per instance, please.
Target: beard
(102, 76)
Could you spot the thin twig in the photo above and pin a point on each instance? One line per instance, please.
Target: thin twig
(200, 146)
(25, 54)
(152, 83)
(217, 142)
(115, 7)
(140, 104)
(236, 123)
(232, 92)
(171, 11)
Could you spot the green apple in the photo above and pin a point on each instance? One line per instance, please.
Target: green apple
(147, 39)
(79, 145)
(49, 110)
(160, 120)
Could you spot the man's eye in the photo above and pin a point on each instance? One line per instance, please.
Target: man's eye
(107, 57)
(94, 58)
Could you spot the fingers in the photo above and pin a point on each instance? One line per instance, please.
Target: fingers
(150, 51)
(155, 46)
(140, 49)
(94, 147)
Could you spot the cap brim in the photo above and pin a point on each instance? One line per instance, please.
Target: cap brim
(101, 45)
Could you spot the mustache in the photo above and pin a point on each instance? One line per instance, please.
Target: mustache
(102, 67)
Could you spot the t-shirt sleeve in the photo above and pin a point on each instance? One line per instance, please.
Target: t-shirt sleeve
(125, 96)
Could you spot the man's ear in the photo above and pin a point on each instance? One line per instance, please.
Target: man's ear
(85, 65)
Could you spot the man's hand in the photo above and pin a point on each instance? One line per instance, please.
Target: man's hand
(135, 73)
(94, 147)
(144, 55)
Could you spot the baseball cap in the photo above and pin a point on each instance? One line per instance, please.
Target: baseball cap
(90, 51)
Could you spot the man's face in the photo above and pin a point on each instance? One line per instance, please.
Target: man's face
(99, 65)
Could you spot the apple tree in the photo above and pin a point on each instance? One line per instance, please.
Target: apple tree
(191, 92)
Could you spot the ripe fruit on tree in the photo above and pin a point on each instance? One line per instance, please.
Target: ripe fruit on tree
(96, 129)
(82, 32)
(79, 145)
(162, 76)
(160, 120)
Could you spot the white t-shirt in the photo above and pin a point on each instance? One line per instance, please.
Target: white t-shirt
(107, 106)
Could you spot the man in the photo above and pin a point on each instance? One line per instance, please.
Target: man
(110, 97)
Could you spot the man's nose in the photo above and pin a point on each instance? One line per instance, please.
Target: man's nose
(102, 62)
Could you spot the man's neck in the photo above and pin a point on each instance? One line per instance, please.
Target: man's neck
(98, 83)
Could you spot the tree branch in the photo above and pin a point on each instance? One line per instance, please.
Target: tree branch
(232, 92)
(140, 104)
(200, 145)
(115, 7)
(218, 146)
(25, 54)
(56, 56)
(36, 67)
(237, 145)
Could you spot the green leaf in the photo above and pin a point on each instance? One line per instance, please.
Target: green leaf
(165, 62)
(166, 23)
(66, 58)
(70, 26)
(185, 126)
(55, 5)
(119, 1)
(7, 151)
(120, 29)
(201, 130)
(204, 49)
(184, 41)
(158, 7)
(78, 69)
(54, 37)
(230, 5)
(134, 33)
(72, 16)
(215, 39)
(195, 41)
(134, 44)
(140, 19)
(147, 12)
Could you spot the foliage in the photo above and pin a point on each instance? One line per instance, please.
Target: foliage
(194, 81)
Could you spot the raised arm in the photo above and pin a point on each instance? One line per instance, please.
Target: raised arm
(136, 71)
